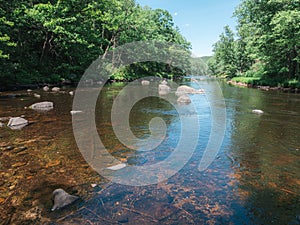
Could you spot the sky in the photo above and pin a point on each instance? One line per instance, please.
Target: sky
(200, 21)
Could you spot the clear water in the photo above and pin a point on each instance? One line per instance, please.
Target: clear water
(255, 178)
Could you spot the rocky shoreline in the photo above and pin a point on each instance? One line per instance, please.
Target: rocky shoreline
(265, 88)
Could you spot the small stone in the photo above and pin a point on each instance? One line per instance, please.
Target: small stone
(46, 88)
(93, 185)
(257, 111)
(55, 89)
(73, 112)
(37, 95)
(16, 123)
(42, 106)
(117, 167)
(145, 82)
(62, 199)
(8, 148)
(71, 93)
(29, 90)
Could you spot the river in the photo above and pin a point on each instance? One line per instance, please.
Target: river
(254, 179)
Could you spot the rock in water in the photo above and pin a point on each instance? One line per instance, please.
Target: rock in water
(42, 106)
(258, 111)
(184, 99)
(183, 90)
(73, 112)
(46, 88)
(61, 199)
(117, 167)
(163, 89)
(37, 95)
(145, 82)
(56, 89)
(17, 123)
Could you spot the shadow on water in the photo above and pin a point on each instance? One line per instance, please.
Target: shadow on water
(254, 179)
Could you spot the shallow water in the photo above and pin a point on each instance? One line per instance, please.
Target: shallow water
(254, 179)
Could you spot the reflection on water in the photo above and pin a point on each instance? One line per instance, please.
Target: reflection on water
(255, 178)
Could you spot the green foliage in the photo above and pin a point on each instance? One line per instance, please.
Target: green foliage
(47, 41)
(199, 66)
(267, 42)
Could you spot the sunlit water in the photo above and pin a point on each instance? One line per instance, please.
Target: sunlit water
(255, 178)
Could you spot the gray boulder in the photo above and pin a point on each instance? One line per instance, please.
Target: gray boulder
(61, 199)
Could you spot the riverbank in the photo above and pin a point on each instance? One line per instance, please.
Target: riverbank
(250, 82)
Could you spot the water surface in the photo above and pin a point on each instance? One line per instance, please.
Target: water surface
(254, 179)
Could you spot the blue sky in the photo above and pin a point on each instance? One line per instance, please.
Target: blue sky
(200, 21)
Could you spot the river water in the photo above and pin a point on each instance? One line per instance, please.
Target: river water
(254, 179)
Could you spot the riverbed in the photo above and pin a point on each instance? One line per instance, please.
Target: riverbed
(254, 179)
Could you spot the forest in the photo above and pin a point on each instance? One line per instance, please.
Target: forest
(44, 41)
(265, 48)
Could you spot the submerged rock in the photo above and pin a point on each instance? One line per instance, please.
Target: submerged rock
(61, 199)
(42, 106)
(257, 111)
(16, 123)
(184, 99)
(117, 167)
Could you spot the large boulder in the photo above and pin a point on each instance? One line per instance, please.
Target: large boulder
(183, 90)
(184, 99)
(17, 123)
(44, 106)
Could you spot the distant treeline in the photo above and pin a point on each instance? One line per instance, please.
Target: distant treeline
(266, 47)
(48, 41)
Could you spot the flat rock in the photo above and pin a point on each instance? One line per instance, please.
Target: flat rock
(117, 167)
(257, 111)
(17, 123)
(74, 112)
(42, 106)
